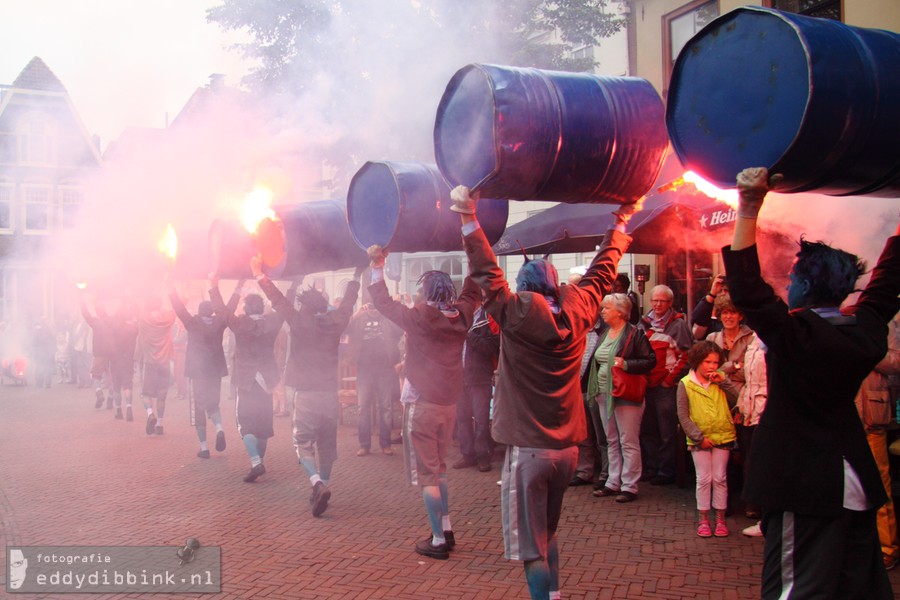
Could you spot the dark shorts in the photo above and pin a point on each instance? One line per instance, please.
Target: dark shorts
(205, 392)
(122, 371)
(254, 412)
(156, 381)
(315, 425)
(431, 426)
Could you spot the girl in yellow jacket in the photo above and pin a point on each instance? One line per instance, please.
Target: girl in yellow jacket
(705, 398)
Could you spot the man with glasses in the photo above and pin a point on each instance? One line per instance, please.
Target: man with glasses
(670, 338)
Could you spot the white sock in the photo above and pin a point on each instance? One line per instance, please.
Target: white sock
(204, 446)
(555, 595)
(255, 460)
(149, 411)
(445, 523)
(219, 428)
(315, 479)
(435, 540)
(159, 421)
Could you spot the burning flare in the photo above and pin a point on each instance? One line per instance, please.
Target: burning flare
(257, 206)
(81, 285)
(168, 245)
(729, 197)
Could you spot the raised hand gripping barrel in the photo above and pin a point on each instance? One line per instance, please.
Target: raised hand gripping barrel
(405, 207)
(814, 99)
(529, 134)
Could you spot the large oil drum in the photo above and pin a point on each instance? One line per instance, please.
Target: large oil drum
(813, 99)
(308, 238)
(529, 134)
(405, 207)
(305, 238)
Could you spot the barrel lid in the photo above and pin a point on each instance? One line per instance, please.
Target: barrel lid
(464, 138)
(373, 205)
(738, 94)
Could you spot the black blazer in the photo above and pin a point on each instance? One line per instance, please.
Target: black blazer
(204, 356)
(815, 367)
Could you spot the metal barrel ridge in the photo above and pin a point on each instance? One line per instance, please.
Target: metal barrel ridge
(304, 238)
(405, 207)
(813, 99)
(529, 134)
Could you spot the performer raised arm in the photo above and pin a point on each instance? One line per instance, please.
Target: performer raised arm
(436, 330)
(538, 409)
(811, 468)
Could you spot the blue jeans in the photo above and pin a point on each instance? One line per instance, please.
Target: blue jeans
(659, 443)
(475, 438)
(374, 388)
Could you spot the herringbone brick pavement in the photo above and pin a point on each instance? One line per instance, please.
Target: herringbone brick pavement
(72, 475)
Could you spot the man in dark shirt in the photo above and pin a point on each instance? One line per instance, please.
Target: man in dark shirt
(372, 346)
(312, 371)
(538, 406)
(435, 330)
(810, 465)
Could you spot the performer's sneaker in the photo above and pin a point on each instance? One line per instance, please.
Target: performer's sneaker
(255, 472)
(203, 454)
(753, 531)
(427, 548)
(129, 416)
(321, 496)
(151, 424)
(220, 441)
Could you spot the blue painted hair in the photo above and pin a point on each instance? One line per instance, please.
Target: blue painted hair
(538, 276)
(438, 288)
(831, 273)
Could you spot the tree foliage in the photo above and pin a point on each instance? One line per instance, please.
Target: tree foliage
(293, 39)
(367, 74)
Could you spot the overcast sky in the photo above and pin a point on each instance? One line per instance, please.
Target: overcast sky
(123, 62)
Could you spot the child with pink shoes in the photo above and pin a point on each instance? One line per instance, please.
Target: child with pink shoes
(705, 398)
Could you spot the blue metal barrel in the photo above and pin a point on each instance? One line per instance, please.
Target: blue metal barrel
(304, 238)
(529, 134)
(405, 207)
(310, 237)
(814, 99)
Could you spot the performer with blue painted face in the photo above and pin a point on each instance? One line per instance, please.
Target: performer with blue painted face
(810, 465)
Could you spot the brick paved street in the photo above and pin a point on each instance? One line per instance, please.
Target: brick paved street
(72, 475)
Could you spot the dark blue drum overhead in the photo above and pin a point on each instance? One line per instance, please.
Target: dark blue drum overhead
(528, 134)
(814, 99)
(405, 207)
(304, 238)
(310, 237)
